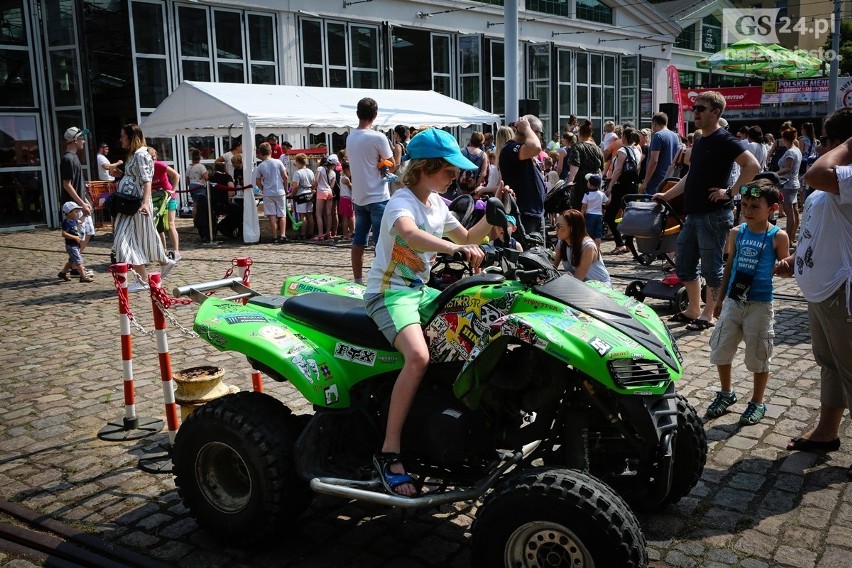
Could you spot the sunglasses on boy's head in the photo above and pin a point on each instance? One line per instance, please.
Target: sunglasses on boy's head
(747, 190)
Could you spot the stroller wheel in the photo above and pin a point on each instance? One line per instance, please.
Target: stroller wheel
(634, 290)
(681, 301)
(646, 259)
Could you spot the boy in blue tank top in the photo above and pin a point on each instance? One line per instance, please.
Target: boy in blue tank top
(746, 314)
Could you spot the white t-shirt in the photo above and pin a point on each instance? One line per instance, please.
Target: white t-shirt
(397, 266)
(103, 175)
(824, 253)
(305, 179)
(758, 150)
(195, 173)
(229, 166)
(268, 172)
(594, 201)
(345, 187)
(365, 148)
(325, 179)
(607, 140)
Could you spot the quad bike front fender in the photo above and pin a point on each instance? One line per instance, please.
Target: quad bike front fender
(322, 368)
(584, 343)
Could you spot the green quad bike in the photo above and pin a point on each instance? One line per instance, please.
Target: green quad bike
(550, 399)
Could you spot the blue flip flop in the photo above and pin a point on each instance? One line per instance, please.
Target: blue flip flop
(390, 480)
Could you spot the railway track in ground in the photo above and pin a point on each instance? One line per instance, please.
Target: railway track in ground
(38, 538)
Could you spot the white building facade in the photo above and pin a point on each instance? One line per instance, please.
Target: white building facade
(99, 64)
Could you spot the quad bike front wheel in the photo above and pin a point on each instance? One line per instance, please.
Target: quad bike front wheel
(690, 453)
(556, 518)
(634, 290)
(234, 467)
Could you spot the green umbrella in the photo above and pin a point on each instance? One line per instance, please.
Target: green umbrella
(790, 64)
(743, 56)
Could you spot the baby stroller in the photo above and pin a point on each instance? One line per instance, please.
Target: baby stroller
(650, 228)
(558, 199)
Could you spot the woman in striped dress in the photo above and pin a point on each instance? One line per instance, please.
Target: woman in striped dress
(136, 240)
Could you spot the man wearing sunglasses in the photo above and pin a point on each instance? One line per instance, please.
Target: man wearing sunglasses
(707, 204)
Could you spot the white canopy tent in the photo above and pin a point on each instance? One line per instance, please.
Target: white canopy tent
(218, 109)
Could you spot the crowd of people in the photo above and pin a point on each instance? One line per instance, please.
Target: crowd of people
(397, 189)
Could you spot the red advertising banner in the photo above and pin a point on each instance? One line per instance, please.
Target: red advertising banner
(735, 97)
(674, 84)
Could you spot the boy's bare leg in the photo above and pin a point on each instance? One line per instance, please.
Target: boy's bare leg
(415, 353)
(725, 378)
(760, 380)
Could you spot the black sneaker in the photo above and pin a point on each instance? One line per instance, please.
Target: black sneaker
(64, 276)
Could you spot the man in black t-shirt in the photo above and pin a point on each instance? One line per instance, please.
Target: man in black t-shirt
(73, 187)
(520, 171)
(707, 204)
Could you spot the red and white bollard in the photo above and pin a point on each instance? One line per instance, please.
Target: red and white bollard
(165, 360)
(256, 381)
(132, 426)
(244, 271)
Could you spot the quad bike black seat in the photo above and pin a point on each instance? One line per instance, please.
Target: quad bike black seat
(344, 317)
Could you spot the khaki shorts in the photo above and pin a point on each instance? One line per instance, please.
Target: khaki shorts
(749, 321)
(397, 309)
(831, 341)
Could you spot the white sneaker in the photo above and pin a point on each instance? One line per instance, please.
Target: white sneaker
(166, 268)
(177, 256)
(136, 287)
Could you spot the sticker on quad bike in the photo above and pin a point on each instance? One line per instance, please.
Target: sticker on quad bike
(462, 323)
(287, 342)
(247, 318)
(355, 354)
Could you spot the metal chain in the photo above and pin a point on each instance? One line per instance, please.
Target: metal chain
(125, 305)
(164, 302)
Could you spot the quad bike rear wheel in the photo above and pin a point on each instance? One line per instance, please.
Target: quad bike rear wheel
(234, 467)
(556, 518)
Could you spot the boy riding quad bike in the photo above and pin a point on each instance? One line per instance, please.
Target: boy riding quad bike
(548, 398)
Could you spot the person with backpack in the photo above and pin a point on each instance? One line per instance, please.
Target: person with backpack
(586, 158)
(625, 180)
(468, 181)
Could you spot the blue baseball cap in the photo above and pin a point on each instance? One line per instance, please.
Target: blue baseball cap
(594, 179)
(436, 143)
(512, 220)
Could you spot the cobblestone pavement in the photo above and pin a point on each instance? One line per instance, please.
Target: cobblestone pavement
(757, 505)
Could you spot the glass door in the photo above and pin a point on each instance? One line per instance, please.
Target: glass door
(21, 171)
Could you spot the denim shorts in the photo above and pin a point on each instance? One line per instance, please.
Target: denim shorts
(702, 238)
(367, 217)
(594, 225)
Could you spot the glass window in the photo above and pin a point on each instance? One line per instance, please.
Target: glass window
(583, 102)
(441, 54)
(261, 37)
(469, 64)
(206, 146)
(365, 79)
(594, 11)
(196, 70)
(628, 88)
(442, 84)
(148, 28)
(365, 47)
(595, 68)
(63, 67)
(582, 68)
(152, 81)
(59, 21)
(194, 38)
(565, 81)
(13, 32)
(313, 77)
(338, 78)
(412, 68)
(336, 34)
(538, 57)
(498, 84)
(263, 74)
(556, 7)
(22, 193)
(646, 74)
(609, 71)
(711, 34)
(231, 72)
(229, 35)
(312, 42)
(686, 39)
(597, 102)
(16, 78)
(19, 139)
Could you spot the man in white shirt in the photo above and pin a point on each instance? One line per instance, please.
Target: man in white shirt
(822, 266)
(366, 148)
(105, 169)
